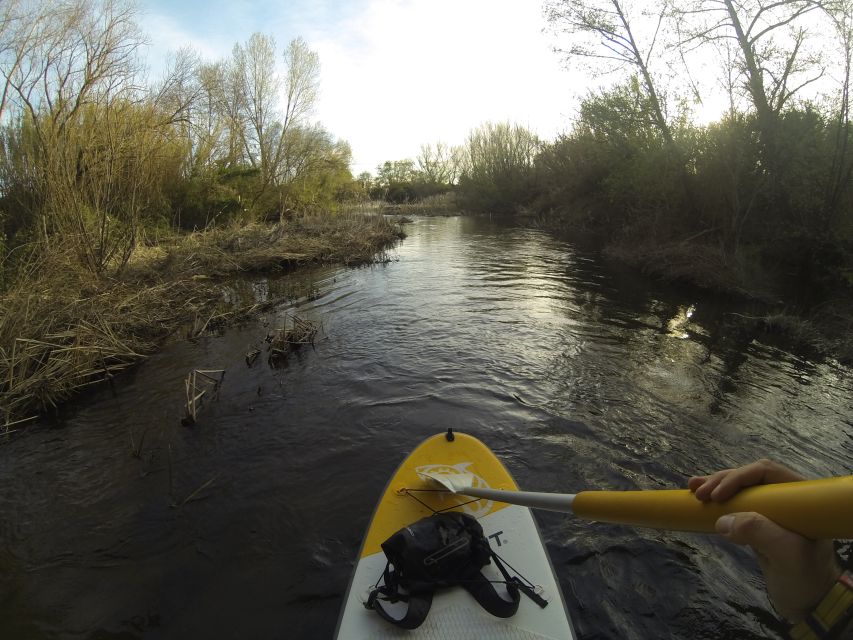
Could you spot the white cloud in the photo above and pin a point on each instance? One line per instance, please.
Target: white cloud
(404, 73)
(395, 73)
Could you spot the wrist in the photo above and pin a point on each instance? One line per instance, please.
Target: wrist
(831, 617)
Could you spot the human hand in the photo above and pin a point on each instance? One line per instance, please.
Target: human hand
(798, 572)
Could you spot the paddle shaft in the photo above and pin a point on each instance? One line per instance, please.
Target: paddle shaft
(813, 508)
(536, 500)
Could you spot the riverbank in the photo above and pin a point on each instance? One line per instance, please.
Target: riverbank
(441, 205)
(812, 320)
(788, 304)
(63, 328)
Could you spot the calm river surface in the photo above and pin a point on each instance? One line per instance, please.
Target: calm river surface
(577, 374)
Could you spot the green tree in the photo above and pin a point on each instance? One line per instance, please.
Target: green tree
(394, 181)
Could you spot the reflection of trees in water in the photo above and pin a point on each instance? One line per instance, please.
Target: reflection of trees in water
(262, 289)
(728, 345)
(669, 386)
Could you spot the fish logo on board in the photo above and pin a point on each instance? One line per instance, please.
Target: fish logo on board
(472, 507)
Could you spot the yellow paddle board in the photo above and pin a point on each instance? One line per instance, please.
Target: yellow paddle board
(510, 530)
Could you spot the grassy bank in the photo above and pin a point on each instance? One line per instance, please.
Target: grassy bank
(63, 329)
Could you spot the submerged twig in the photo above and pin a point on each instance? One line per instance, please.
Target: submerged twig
(192, 496)
(136, 449)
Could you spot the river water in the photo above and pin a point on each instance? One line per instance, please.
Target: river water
(580, 375)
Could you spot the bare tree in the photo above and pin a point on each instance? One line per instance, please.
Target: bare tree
(179, 89)
(500, 151)
(842, 168)
(70, 54)
(277, 144)
(14, 40)
(602, 34)
(436, 163)
(208, 131)
(258, 91)
(301, 87)
(775, 60)
(230, 99)
(302, 83)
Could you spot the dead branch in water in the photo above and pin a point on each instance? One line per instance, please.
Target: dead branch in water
(196, 390)
(195, 494)
(252, 355)
(290, 338)
(40, 373)
(63, 330)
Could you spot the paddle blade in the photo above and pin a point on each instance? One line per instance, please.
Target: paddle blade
(453, 482)
(463, 483)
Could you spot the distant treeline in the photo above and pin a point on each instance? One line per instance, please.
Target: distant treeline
(613, 178)
(766, 191)
(94, 157)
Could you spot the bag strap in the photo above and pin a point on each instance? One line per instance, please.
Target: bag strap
(419, 606)
(419, 602)
(484, 592)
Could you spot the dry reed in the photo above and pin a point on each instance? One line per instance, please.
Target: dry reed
(290, 338)
(63, 328)
(198, 384)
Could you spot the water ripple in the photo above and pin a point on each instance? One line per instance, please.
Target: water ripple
(578, 373)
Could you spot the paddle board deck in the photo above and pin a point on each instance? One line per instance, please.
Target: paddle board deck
(511, 531)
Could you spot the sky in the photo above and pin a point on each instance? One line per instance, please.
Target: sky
(395, 74)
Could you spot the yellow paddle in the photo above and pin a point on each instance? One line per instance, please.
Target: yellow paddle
(813, 508)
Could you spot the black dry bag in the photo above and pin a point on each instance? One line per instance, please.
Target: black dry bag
(442, 550)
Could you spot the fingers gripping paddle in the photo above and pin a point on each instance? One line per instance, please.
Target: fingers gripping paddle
(815, 509)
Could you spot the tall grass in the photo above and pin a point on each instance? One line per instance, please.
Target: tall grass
(63, 328)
